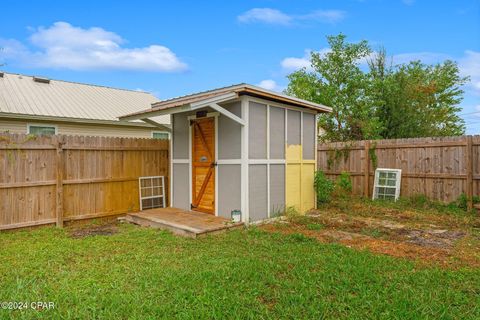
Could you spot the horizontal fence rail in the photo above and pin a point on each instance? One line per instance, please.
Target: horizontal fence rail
(440, 168)
(52, 179)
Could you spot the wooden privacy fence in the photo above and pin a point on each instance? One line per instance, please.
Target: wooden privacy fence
(52, 179)
(440, 168)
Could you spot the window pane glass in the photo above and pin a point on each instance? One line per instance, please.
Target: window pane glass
(147, 203)
(156, 202)
(156, 182)
(39, 130)
(391, 182)
(160, 135)
(390, 191)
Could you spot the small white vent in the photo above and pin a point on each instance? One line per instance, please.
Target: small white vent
(152, 192)
(41, 80)
(387, 184)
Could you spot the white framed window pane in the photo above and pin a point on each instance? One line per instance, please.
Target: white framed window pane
(160, 135)
(391, 182)
(387, 184)
(41, 130)
(152, 192)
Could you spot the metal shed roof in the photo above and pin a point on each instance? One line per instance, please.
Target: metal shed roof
(161, 107)
(26, 95)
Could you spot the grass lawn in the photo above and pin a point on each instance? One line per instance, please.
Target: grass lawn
(139, 273)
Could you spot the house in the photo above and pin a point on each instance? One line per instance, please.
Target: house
(240, 148)
(37, 105)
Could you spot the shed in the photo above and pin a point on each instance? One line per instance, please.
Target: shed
(240, 148)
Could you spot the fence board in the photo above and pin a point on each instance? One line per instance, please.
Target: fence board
(89, 177)
(440, 168)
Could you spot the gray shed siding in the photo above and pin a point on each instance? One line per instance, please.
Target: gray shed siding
(180, 132)
(309, 136)
(293, 127)
(277, 133)
(257, 192)
(181, 183)
(229, 134)
(277, 189)
(229, 189)
(257, 135)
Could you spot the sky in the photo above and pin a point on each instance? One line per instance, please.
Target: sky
(172, 48)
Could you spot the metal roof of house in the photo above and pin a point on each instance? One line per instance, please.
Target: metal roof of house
(35, 96)
(238, 90)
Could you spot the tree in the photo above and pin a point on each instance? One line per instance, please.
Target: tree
(385, 101)
(417, 100)
(338, 81)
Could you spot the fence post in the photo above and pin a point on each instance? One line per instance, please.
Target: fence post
(469, 164)
(366, 169)
(59, 185)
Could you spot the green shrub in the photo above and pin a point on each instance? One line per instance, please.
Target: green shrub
(343, 184)
(462, 201)
(323, 187)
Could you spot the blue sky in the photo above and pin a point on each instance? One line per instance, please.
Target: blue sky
(172, 48)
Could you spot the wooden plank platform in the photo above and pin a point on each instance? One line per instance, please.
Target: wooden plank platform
(182, 222)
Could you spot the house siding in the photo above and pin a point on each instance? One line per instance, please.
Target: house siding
(15, 126)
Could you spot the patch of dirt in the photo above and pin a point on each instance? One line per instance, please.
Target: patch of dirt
(435, 238)
(401, 250)
(424, 243)
(94, 230)
(420, 234)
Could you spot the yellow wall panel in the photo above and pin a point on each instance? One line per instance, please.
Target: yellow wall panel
(308, 192)
(294, 153)
(299, 180)
(293, 186)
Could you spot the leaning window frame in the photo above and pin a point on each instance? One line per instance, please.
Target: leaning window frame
(161, 196)
(398, 181)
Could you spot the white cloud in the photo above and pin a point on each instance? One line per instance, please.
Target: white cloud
(470, 66)
(296, 63)
(64, 46)
(265, 15)
(270, 84)
(292, 63)
(277, 17)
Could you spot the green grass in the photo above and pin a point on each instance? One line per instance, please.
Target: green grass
(147, 274)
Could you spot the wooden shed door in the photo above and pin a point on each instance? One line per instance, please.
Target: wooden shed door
(203, 165)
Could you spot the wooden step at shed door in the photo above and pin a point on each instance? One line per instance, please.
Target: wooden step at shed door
(203, 165)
